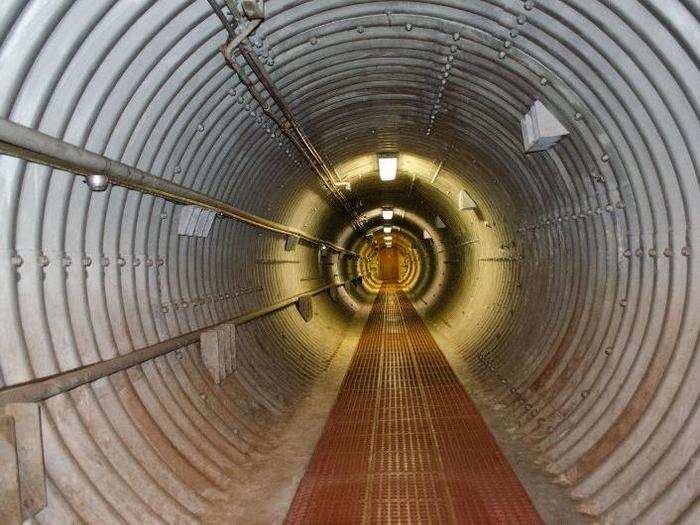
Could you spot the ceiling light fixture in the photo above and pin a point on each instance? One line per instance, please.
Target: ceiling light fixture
(388, 214)
(388, 166)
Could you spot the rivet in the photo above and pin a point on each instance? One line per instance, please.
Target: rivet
(668, 252)
(521, 20)
(578, 116)
(163, 216)
(609, 207)
(453, 49)
(627, 253)
(639, 252)
(620, 205)
(544, 81)
(502, 55)
(514, 33)
(164, 309)
(314, 40)
(652, 252)
(605, 157)
(360, 29)
(200, 127)
(506, 44)
(608, 351)
(160, 261)
(149, 261)
(450, 58)
(121, 261)
(137, 261)
(270, 61)
(529, 4)
(409, 27)
(623, 302)
(455, 37)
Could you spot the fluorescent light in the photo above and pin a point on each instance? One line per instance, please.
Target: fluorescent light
(388, 214)
(388, 166)
(387, 237)
(387, 229)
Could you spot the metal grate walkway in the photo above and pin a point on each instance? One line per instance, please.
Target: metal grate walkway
(404, 443)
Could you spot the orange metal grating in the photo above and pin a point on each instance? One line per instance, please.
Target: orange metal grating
(404, 443)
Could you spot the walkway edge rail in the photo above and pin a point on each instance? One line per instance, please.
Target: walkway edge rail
(31, 145)
(44, 388)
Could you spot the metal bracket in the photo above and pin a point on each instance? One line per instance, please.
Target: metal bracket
(305, 305)
(254, 9)
(290, 244)
(22, 477)
(218, 349)
(334, 293)
(195, 221)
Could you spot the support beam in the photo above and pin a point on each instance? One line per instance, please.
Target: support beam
(33, 146)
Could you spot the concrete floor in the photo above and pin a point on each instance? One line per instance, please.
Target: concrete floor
(271, 482)
(551, 501)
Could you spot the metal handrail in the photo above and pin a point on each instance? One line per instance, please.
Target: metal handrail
(34, 146)
(44, 388)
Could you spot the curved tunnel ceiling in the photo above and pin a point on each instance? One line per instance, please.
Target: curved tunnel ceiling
(571, 292)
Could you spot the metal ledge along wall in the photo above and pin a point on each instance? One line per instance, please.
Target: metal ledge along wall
(570, 289)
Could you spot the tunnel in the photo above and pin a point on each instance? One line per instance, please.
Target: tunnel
(212, 211)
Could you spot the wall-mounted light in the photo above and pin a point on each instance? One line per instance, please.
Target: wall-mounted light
(388, 214)
(387, 229)
(388, 166)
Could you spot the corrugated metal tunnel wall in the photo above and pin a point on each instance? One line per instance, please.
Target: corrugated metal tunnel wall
(572, 291)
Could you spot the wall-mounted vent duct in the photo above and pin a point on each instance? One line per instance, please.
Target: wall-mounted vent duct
(541, 130)
(195, 221)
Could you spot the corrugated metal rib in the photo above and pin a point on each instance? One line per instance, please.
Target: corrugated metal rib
(578, 308)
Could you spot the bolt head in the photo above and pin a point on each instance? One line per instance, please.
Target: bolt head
(97, 182)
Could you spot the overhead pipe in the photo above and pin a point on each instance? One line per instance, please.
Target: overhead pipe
(291, 127)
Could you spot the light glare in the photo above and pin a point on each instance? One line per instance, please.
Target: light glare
(388, 166)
